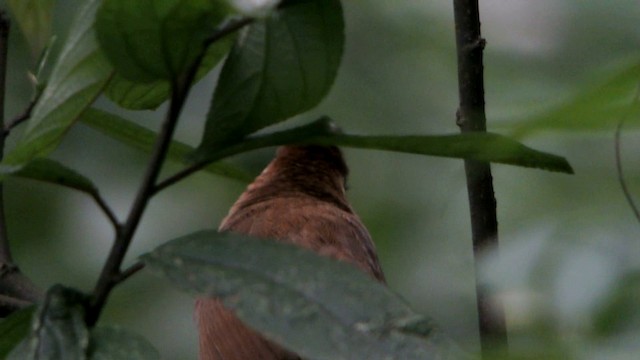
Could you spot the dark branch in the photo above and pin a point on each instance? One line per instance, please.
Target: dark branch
(111, 273)
(5, 251)
(482, 203)
(26, 114)
(106, 210)
(618, 153)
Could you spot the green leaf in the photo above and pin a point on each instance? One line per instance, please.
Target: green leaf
(51, 171)
(136, 96)
(281, 66)
(76, 80)
(142, 138)
(149, 40)
(599, 108)
(58, 330)
(34, 19)
(14, 329)
(316, 306)
(113, 343)
(474, 146)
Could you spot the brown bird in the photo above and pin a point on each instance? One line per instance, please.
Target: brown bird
(299, 198)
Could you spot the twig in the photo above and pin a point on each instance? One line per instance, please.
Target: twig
(106, 210)
(482, 203)
(618, 155)
(180, 175)
(130, 271)
(26, 114)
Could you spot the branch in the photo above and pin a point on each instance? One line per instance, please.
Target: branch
(111, 273)
(16, 289)
(5, 251)
(26, 114)
(482, 203)
(618, 154)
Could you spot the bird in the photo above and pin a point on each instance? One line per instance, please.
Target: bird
(299, 198)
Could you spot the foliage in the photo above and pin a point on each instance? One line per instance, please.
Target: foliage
(274, 67)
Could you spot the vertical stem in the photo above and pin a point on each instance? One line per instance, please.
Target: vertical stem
(482, 203)
(5, 251)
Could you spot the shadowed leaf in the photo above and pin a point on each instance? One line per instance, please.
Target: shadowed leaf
(149, 40)
(281, 66)
(313, 305)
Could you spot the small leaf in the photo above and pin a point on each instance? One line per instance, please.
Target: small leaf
(475, 146)
(51, 171)
(281, 66)
(34, 19)
(149, 40)
(141, 138)
(599, 108)
(76, 80)
(113, 343)
(136, 96)
(316, 306)
(58, 330)
(14, 329)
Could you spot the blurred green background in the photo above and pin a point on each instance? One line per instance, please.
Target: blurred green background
(569, 244)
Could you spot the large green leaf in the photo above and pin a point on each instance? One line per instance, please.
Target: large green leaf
(34, 19)
(14, 329)
(149, 40)
(475, 146)
(77, 78)
(137, 96)
(58, 330)
(600, 107)
(281, 66)
(316, 306)
(112, 343)
(142, 138)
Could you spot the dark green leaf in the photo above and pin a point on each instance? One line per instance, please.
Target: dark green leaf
(283, 65)
(599, 108)
(76, 80)
(475, 146)
(316, 306)
(112, 343)
(51, 171)
(58, 330)
(141, 138)
(13, 329)
(34, 19)
(136, 96)
(149, 40)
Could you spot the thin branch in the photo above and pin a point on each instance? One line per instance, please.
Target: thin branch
(5, 251)
(618, 155)
(227, 29)
(482, 203)
(106, 209)
(180, 175)
(130, 271)
(26, 114)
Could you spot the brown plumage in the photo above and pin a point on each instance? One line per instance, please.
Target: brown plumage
(299, 198)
